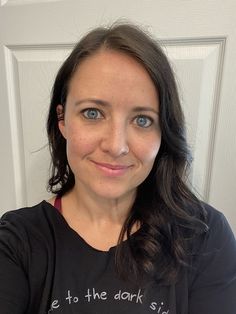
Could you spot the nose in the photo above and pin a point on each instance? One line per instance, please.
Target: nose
(115, 141)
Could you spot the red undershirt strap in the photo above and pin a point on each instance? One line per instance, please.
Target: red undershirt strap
(57, 203)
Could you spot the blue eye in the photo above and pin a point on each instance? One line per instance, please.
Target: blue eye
(143, 121)
(92, 113)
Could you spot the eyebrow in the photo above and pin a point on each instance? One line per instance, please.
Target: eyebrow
(94, 100)
(107, 104)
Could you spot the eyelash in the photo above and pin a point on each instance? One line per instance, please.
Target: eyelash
(98, 112)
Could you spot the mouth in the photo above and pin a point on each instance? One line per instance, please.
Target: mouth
(112, 169)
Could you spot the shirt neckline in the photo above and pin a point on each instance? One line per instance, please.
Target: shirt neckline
(76, 235)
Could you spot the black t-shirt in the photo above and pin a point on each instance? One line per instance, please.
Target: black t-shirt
(46, 267)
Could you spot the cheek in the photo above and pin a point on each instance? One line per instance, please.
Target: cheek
(148, 151)
(79, 144)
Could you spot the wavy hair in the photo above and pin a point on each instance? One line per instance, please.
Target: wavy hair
(168, 212)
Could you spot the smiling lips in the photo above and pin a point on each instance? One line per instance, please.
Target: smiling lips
(112, 170)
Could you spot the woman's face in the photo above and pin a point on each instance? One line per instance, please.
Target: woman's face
(111, 125)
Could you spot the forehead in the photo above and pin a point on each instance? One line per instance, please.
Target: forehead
(112, 74)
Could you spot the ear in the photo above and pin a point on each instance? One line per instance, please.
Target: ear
(60, 119)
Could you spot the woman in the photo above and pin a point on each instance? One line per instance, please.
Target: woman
(124, 234)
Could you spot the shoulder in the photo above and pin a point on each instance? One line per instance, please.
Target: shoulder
(24, 225)
(213, 215)
(27, 232)
(215, 249)
(26, 211)
(212, 277)
(29, 215)
(217, 235)
(218, 231)
(214, 232)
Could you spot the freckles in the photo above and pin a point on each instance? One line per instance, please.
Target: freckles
(81, 144)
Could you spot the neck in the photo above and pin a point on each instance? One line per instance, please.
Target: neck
(97, 209)
(94, 218)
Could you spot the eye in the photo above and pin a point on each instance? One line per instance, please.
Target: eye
(143, 121)
(92, 113)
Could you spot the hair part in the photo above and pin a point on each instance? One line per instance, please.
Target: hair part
(166, 209)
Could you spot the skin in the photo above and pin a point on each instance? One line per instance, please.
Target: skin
(111, 125)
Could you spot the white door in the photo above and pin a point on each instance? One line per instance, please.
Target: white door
(199, 37)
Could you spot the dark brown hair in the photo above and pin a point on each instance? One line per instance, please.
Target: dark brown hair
(165, 207)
